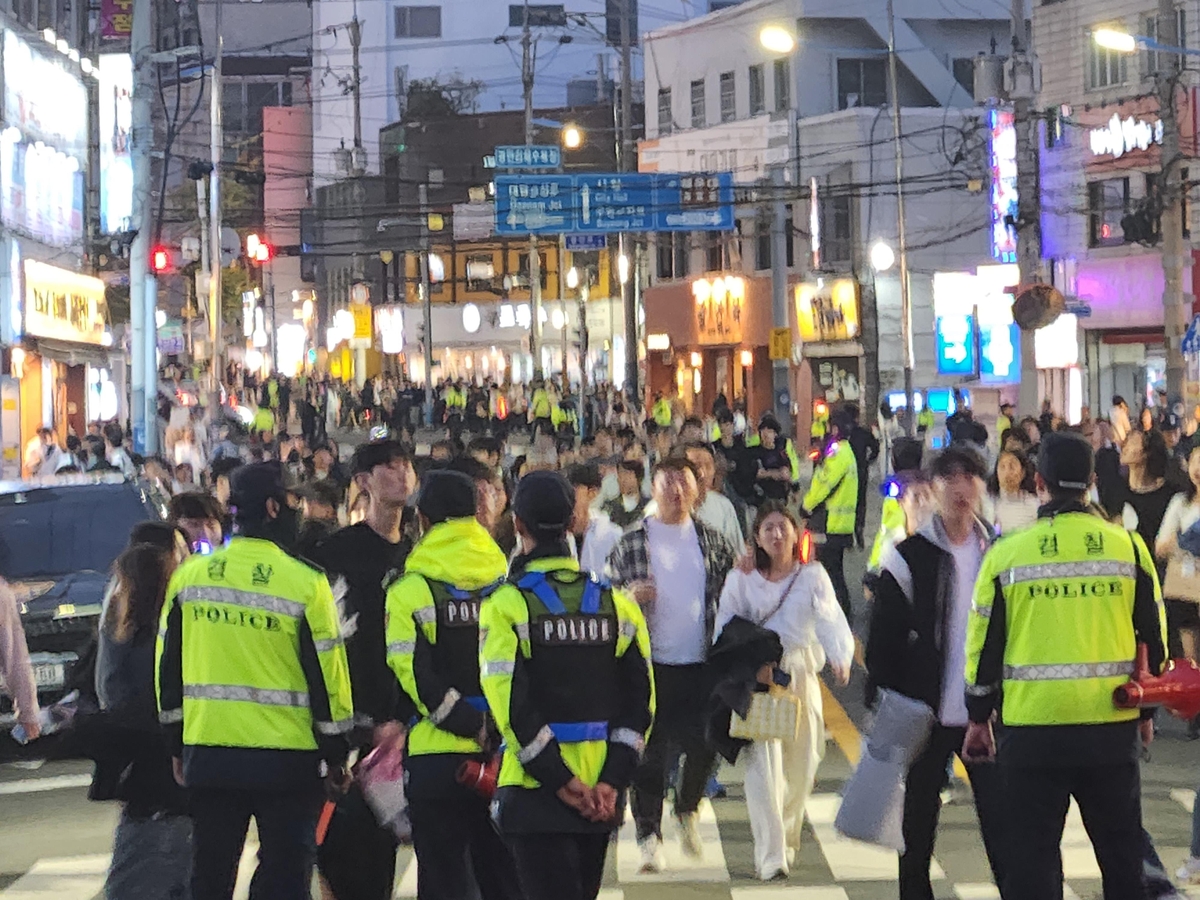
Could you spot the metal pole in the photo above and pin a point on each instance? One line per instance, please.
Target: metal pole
(906, 336)
(426, 301)
(781, 403)
(1175, 307)
(216, 149)
(535, 259)
(1029, 214)
(562, 305)
(141, 49)
(583, 346)
(355, 43)
(625, 246)
(274, 324)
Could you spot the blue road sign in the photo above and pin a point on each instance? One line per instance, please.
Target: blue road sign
(535, 156)
(582, 243)
(955, 345)
(606, 203)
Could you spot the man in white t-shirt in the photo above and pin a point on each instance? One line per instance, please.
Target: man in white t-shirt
(712, 508)
(674, 566)
(594, 535)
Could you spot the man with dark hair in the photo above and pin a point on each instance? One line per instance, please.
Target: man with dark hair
(678, 586)
(916, 647)
(488, 450)
(319, 504)
(1063, 736)
(221, 470)
(629, 506)
(594, 534)
(491, 498)
(358, 859)
(254, 695)
(565, 669)
(200, 518)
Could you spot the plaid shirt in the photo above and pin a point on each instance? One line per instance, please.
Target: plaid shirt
(630, 562)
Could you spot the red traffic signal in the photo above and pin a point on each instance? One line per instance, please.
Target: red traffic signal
(258, 250)
(160, 260)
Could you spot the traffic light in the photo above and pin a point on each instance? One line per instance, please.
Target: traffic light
(257, 250)
(160, 260)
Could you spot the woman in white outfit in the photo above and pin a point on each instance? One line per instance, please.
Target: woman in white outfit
(794, 599)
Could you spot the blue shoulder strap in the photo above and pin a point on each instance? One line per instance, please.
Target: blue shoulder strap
(543, 590)
(483, 593)
(591, 597)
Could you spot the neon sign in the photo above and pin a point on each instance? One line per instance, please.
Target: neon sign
(1002, 152)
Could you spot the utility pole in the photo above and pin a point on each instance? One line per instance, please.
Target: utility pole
(1175, 309)
(141, 49)
(426, 301)
(528, 57)
(562, 305)
(780, 368)
(906, 326)
(355, 43)
(216, 149)
(1023, 91)
(625, 246)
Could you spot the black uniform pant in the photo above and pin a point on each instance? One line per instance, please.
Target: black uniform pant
(358, 858)
(287, 825)
(460, 855)
(832, 556)
(1109, 798)
(923, 805)
(682, 695)
(860, 511)
(559, 866)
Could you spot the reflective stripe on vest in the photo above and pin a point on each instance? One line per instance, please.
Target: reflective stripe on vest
(1067, 671)
(630, 738)
(240, 693)
(497, 667)
(234, 597)
(1086, 569)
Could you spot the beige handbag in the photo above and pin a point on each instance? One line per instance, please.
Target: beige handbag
(1183, 578)
(773, 716)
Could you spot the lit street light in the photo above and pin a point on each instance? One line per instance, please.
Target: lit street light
(777, 39)
(572, 278)
(572, 137)
(882, 256)
(1112, 39)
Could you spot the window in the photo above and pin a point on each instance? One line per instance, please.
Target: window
(758, 90)
(1106, 68)
(837, 244)
(699, 117)
(762, 243)
(672, 250)
(964, 73)
(716, 256)
(861, 82)
(418, 21)
(1108, 202)
(523, 268)
(666, 121)
(728, 97)
(783, 85)
(242, 103)
(1153, 61)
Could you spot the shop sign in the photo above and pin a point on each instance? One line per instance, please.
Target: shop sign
(827, 310)
(955, 339)
(41, 190)
(116, 19)
(43, 98)
(62, 305)
(362, 320)
(389, 322)
(1120, 136)
(719, 304)
(781, 344)
(116, 124)
(1004, 197)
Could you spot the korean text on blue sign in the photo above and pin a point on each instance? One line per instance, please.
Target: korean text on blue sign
(956, 345)
(606, 203)
(538, 156)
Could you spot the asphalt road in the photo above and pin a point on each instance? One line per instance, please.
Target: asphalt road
(54, 843)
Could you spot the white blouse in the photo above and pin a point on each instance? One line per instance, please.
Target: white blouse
(809, 621)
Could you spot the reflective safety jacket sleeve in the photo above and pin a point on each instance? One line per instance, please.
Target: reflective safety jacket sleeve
(893, 526)
(250, 654)
(835, 483)
(1058, 611)
(433, 642)
(534, 757)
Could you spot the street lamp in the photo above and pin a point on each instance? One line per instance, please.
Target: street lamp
(572, 278)
(882, 256)
(572, 137)
(1112, 39)
(777, 39)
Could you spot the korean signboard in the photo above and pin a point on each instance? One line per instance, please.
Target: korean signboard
(43, 99)
(116, 162)
(116, 20)
(719, 309)
(62, 305)
(1002, 155)
(827, 310)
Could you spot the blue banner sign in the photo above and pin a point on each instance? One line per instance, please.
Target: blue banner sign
(584, 243)
(536, 156)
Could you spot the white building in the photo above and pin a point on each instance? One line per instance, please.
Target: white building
(456, 40)
(717, 100)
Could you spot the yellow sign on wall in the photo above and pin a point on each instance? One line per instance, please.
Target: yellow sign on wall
(719, 304)
(781, 343)
(64, 305)
(828, 311)
(362, 320)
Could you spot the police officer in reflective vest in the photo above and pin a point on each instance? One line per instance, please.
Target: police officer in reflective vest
(1058, 613)
(565, 665)
(834, 489)
(433, 647)
(254, 692)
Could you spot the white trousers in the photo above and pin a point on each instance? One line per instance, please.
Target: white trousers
(779, 780)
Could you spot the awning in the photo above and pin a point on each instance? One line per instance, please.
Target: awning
(69, 352)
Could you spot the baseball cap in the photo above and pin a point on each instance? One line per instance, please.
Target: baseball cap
(376, 453)
(545, 502)
(1066, 461)
(250, 487)
(446, 495)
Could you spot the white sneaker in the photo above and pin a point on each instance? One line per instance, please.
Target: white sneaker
(1189, 872)
(689, 835)
(653, 858)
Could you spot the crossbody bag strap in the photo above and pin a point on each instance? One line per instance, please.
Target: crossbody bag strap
(782, 598)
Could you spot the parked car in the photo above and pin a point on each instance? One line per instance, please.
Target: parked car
(58, 540)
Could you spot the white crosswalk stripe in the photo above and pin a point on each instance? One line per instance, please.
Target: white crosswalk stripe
(709, 868)
(852, 860)
(62, 878)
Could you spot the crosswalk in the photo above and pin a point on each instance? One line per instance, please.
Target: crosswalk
(828, 867)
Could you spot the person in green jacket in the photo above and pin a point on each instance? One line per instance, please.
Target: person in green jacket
(433, 616)
(834, 492)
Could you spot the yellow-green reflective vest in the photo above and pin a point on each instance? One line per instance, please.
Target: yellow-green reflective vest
(1067, 587)
(569, 656)
(238, 630)
(835, 484)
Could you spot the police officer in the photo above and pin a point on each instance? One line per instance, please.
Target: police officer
(433, 647)
(254, 691)
(566, 672)
(541, 408)
(1058, 613)
(834, 489)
